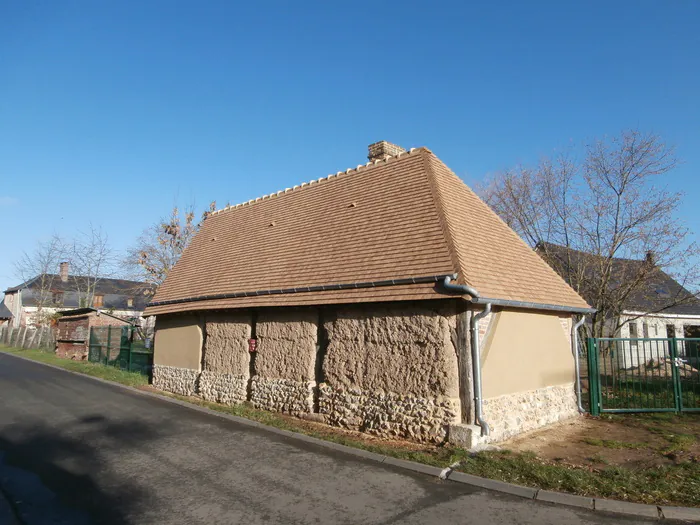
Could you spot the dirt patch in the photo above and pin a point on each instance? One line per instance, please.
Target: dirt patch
(631, 441)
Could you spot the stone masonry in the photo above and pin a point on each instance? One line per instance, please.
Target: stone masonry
(513, 414)
(181, 381)
(389, 414)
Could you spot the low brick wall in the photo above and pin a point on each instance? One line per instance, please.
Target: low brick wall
(183, 381)
(512, 414)
(68, 350)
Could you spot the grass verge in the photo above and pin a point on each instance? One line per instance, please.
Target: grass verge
(91, 369)
(677, 484)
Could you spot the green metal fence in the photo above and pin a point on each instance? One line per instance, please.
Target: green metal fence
(122, 346)
(643, 375)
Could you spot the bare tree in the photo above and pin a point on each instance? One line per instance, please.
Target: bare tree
(584, 216)
(40, 266)
(160, 246)
(91, 259)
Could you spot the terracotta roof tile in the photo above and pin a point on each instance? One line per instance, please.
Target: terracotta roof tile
(406, 217)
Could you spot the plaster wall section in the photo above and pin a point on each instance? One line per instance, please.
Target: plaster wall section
(392, 370)
(226, 359)
(285, 360)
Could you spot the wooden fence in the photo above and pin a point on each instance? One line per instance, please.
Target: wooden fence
(28, 337)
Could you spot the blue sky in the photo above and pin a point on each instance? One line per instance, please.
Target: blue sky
(111, 112)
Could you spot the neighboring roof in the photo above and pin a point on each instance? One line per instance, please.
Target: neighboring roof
(661, 293)
(5, 312)
(104, 286)
(84, 311)
(406, 218)
(116, 291)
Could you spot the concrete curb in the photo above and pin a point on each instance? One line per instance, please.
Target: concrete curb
(624, 508)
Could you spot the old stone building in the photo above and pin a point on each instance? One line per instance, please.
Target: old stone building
(386, 298)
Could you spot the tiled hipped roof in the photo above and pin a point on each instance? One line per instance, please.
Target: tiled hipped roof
(407, 217)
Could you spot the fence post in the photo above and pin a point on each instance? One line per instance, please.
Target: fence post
(678, 397)
(109, 344)
(593, 378)
(131, 346)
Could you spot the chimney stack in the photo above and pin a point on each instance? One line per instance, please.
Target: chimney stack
(650, 258)
(383, 150)
(65, 268)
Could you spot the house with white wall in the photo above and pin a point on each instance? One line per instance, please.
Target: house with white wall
(33, 302)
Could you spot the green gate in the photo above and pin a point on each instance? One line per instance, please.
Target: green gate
(122, 346)
(643, 375)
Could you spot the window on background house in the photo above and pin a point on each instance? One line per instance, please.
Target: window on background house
(656, 330)
(57, 298)
(634, 334)
(130, 302)
(98, 301)
(670, 330)
(645, 330)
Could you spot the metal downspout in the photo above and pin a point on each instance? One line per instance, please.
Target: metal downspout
(574, 342)
(476, 361)
(476, 351)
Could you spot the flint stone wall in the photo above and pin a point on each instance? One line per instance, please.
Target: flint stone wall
(283, 395)
(388, 414)
(285, 360)
(512, 414)
(225, 373)
(392, 370)
(227, 389)
(181, 381)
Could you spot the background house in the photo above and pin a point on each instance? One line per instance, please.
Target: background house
(5, 315)
(652, 304)
(387, 298)
(33, 301)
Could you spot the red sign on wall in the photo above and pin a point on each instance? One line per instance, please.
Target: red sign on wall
(252, 345)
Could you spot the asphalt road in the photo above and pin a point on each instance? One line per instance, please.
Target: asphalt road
(76, 451)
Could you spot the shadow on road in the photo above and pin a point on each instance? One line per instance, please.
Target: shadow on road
(59, 474)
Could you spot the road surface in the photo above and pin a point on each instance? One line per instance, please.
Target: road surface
(76, 451)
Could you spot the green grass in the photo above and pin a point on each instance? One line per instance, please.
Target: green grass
(677, 484)
(612, 443)
(678, 442)
(91, 369)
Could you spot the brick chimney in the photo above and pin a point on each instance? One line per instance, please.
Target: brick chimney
(382, 150)
(65, 268)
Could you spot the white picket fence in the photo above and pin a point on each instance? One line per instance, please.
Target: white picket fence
(27, 337)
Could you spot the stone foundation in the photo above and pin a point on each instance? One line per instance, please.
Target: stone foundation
(513, 414)
(181, 381)
(283, 395)
(389, 415)
(223, 388)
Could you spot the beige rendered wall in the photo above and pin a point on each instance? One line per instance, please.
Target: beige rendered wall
(178, 342)
(523, 351)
